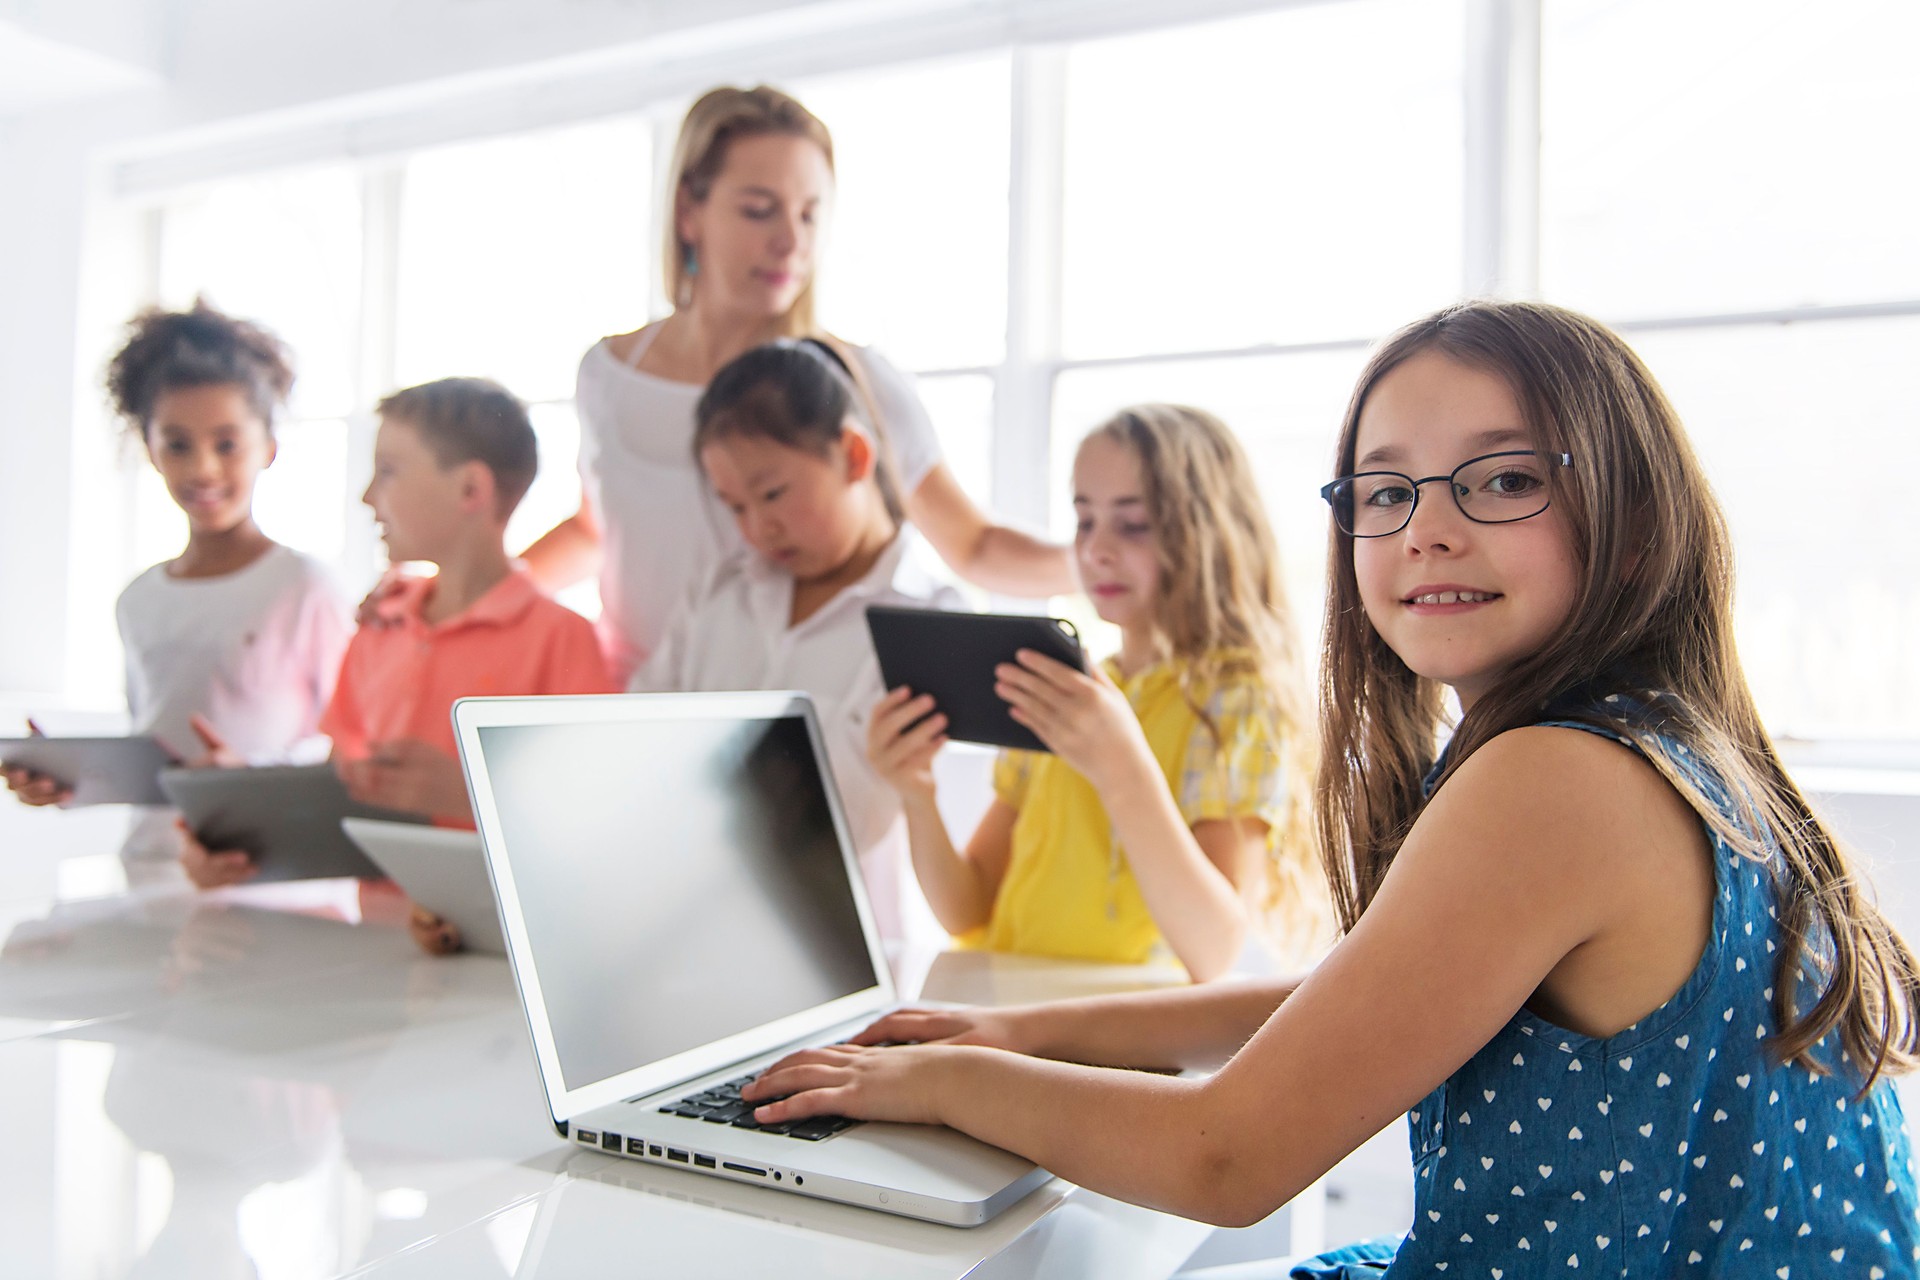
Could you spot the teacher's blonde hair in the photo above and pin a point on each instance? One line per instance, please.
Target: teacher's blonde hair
(713, 123)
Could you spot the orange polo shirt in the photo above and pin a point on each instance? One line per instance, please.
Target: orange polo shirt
(400, 678)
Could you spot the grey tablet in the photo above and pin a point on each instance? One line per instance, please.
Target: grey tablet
(286, 816)
(444, 871)
(952, 656)
(100, 770)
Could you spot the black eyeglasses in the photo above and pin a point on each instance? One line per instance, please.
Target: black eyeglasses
(1495, 488)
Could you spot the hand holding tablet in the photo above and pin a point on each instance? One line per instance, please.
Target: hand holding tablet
(952, 657)
(85, 771)
(287, 818)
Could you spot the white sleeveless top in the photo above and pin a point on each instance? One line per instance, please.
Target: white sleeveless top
(662, 531)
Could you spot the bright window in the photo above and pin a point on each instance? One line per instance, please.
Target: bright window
(1796, 426)
(1291, 177)
(1729, 155)
(517, 253)
(283, 249)
(1706, 160)
(917, 262)
(1274, 191)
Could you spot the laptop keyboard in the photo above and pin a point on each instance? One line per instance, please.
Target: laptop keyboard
(722, 1104)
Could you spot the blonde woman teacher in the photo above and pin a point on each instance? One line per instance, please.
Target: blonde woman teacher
(755, 185)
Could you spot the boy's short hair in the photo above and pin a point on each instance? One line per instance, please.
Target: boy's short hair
(472, 420)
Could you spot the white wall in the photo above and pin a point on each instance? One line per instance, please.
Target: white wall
(43, 167)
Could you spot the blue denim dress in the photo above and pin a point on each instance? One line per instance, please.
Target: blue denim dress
(1675, 1148)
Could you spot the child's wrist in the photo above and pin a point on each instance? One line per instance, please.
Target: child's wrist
(918, 797)
(951, 1064)
(1022, 1032)
(1126, 778)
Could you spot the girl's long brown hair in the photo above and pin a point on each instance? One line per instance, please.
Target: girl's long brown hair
(1222, 614)
(1653, 617)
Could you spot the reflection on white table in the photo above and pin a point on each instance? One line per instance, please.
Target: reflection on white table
(273, 1082)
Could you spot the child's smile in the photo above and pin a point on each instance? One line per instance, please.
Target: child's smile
(1446, 598)
(209, 446)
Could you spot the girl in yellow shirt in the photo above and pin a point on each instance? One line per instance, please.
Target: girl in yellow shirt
(1171, 806)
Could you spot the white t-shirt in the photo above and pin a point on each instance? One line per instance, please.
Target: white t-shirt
(255, 651)
(733, 634)
(662, 530)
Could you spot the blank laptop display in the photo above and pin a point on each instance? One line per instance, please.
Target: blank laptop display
(682, 905)
(673, 908)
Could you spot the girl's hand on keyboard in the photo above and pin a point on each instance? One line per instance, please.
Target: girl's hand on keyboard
(899, 1082)
(995, 1028)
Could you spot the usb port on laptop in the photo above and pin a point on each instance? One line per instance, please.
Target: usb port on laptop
(704, 1162)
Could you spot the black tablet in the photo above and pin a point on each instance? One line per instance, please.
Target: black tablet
(952, 656)
(100, 770)
(286, 816)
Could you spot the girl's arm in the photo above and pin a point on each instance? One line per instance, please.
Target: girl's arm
(1190, 888)
(997, 557)
(959, 887)
(567, 553)
(1177, 1027)
(1548, 869)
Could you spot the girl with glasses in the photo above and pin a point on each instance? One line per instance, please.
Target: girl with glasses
(1638, 1006)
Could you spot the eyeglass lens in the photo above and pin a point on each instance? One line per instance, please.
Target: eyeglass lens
(1492, 490)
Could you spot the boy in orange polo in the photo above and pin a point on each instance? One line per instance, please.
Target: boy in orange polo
(452, 460)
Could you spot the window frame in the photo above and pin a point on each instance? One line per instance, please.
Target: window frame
(1501, 192)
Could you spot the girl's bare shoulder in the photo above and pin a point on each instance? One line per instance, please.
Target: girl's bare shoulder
(1572, 794)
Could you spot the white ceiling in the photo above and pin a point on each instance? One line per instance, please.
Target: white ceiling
(37, 72)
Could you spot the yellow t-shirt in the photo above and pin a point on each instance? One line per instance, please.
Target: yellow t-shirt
(1068, 890)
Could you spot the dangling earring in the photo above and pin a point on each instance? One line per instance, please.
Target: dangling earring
(689, 268)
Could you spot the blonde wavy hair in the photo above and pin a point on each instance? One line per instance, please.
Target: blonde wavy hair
(1222, 615)
(718, 119)
(1652, 620)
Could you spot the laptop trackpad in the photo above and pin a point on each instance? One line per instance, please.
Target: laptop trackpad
(928, 1160)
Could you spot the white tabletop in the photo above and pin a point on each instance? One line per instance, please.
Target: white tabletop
(261, 1082)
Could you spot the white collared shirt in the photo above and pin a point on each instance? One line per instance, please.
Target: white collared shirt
(662, 530)
(733, 634)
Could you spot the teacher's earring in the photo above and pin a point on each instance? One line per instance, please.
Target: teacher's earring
(690, 262)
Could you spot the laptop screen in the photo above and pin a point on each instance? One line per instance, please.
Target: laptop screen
(681, 881)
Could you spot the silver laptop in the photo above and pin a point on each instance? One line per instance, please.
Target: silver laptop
(682, 906)
(440, 869)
